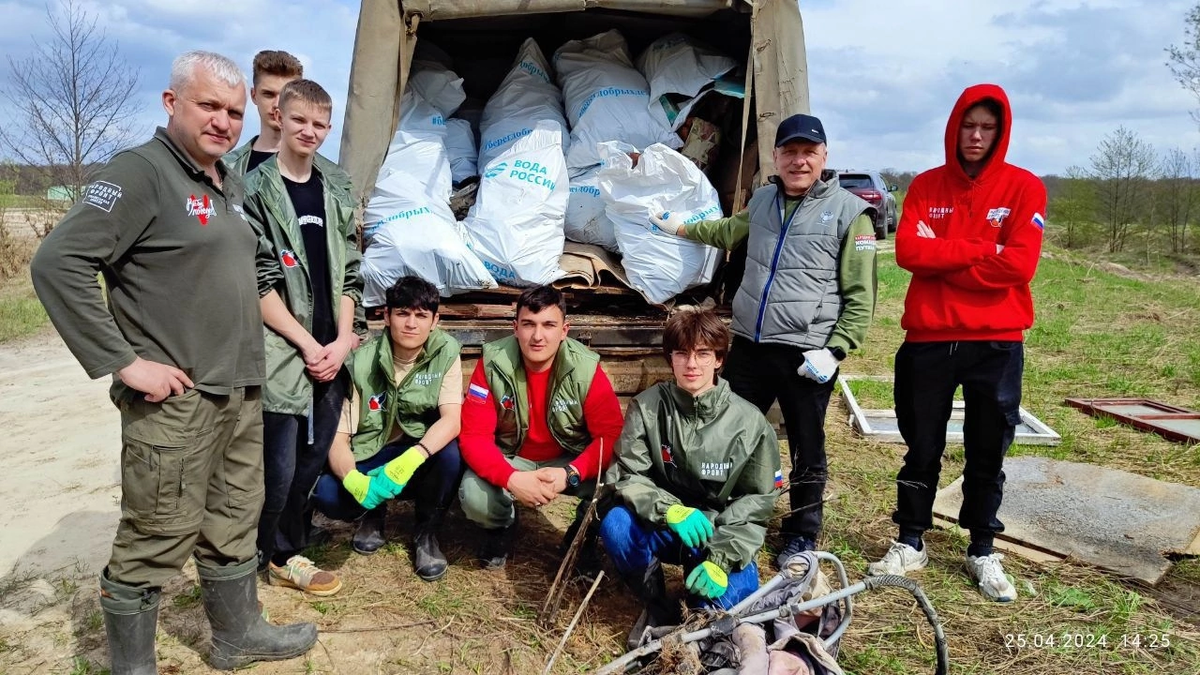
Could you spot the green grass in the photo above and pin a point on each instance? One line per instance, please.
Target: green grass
(21, 315)
(11, 201)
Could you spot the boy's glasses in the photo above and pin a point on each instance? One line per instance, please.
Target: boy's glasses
(704, 357)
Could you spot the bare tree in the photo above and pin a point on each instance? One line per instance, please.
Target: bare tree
(73, 98)
(1122, 167)
(1177, 198)
(1184, 60)
(1071, 209)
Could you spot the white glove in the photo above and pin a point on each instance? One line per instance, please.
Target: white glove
(669, 222)
(819, 365)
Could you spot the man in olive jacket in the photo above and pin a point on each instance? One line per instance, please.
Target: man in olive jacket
(696, 476)
(309, 314)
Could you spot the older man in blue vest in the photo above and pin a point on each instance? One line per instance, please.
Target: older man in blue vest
(805, 301)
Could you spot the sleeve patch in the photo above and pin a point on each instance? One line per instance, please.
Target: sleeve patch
(864, 242)
(1039, 221)
(102, 195)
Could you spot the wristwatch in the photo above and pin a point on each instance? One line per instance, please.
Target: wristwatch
(838, 353)
(572, 476)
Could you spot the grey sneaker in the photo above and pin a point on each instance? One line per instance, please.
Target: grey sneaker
(993, 582)
(899, 559)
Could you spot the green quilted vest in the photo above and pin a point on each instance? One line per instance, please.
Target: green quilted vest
(571, 377)
(383, 403)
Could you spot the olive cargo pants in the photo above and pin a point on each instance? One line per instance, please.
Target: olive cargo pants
(191, 483)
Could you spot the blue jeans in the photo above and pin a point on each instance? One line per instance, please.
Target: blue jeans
(431, 487)
(634, 545)
(295, 452)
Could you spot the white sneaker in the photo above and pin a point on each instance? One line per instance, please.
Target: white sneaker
(899, 559)
(993, 582)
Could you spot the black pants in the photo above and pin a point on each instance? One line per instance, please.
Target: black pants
(927, 373)
(291, 466)
(764, 373)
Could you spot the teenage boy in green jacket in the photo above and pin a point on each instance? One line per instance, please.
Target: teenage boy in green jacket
(308, 216)
(696, 476)
(399, 428)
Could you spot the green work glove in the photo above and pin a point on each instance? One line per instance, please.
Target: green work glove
(691, 525)
(368, 491)
(708, 580)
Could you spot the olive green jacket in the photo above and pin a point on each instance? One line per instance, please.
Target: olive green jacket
(289, 387)
(238, 160)
(715, 452)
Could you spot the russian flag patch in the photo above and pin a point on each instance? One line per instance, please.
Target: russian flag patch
(1039, 221)
(477, 392)
(778, 479)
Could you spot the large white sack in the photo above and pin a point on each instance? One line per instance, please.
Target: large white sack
(408, 225)
(659, 265)
(460, 146)
(416, 170)
(677, 64)
(526, 96)
(586, 222)
(438, 85)
(425, 244)
(516, 223)
(607, 99)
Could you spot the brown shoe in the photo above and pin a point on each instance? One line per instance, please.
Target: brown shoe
(301, 573)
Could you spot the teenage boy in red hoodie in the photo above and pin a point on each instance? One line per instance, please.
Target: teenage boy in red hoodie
(971, 234)
(539, 420)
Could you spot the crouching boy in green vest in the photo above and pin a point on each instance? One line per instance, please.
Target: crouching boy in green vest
(696, 477)
(398, 429)
(539, 421)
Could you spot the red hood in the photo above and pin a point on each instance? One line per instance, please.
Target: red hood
(970, 97)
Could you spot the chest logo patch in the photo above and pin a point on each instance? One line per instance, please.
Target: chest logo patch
(201, 208)
(715, 469)
(288, 259)
(426, 379)
(936, 212)
(667, 457)
(563, 404)
(826, 216)
(376, 402)
(995, 217)
(506, 402)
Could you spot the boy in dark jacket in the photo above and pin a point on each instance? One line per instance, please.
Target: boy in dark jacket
(696, 476)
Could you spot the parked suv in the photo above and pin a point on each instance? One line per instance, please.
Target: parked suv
(870, 186)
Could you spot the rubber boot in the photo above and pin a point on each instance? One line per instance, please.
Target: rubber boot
(240, 636)
(651, 588)
(368, 538)
(496, 545)
(428, 560)
(130, 617)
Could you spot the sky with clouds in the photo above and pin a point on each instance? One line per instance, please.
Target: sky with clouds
(883, 75)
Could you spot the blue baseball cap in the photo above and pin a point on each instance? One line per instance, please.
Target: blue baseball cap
(799, 128)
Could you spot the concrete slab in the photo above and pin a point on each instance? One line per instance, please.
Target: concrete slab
(1116, 520)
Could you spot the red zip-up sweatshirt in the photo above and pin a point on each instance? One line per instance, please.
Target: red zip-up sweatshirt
(961, 288)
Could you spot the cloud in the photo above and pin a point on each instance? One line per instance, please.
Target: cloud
(883, 76)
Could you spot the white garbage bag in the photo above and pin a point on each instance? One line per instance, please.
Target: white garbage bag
(460, 146)
(586, 221)
(408, 225)
(607, 99)
(677, 64)
(659, 265)
(438, 85)
(516, 223)
(527, 96)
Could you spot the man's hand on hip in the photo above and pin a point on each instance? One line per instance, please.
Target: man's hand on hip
(819, 365)
(157, 381)
(529, 489)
